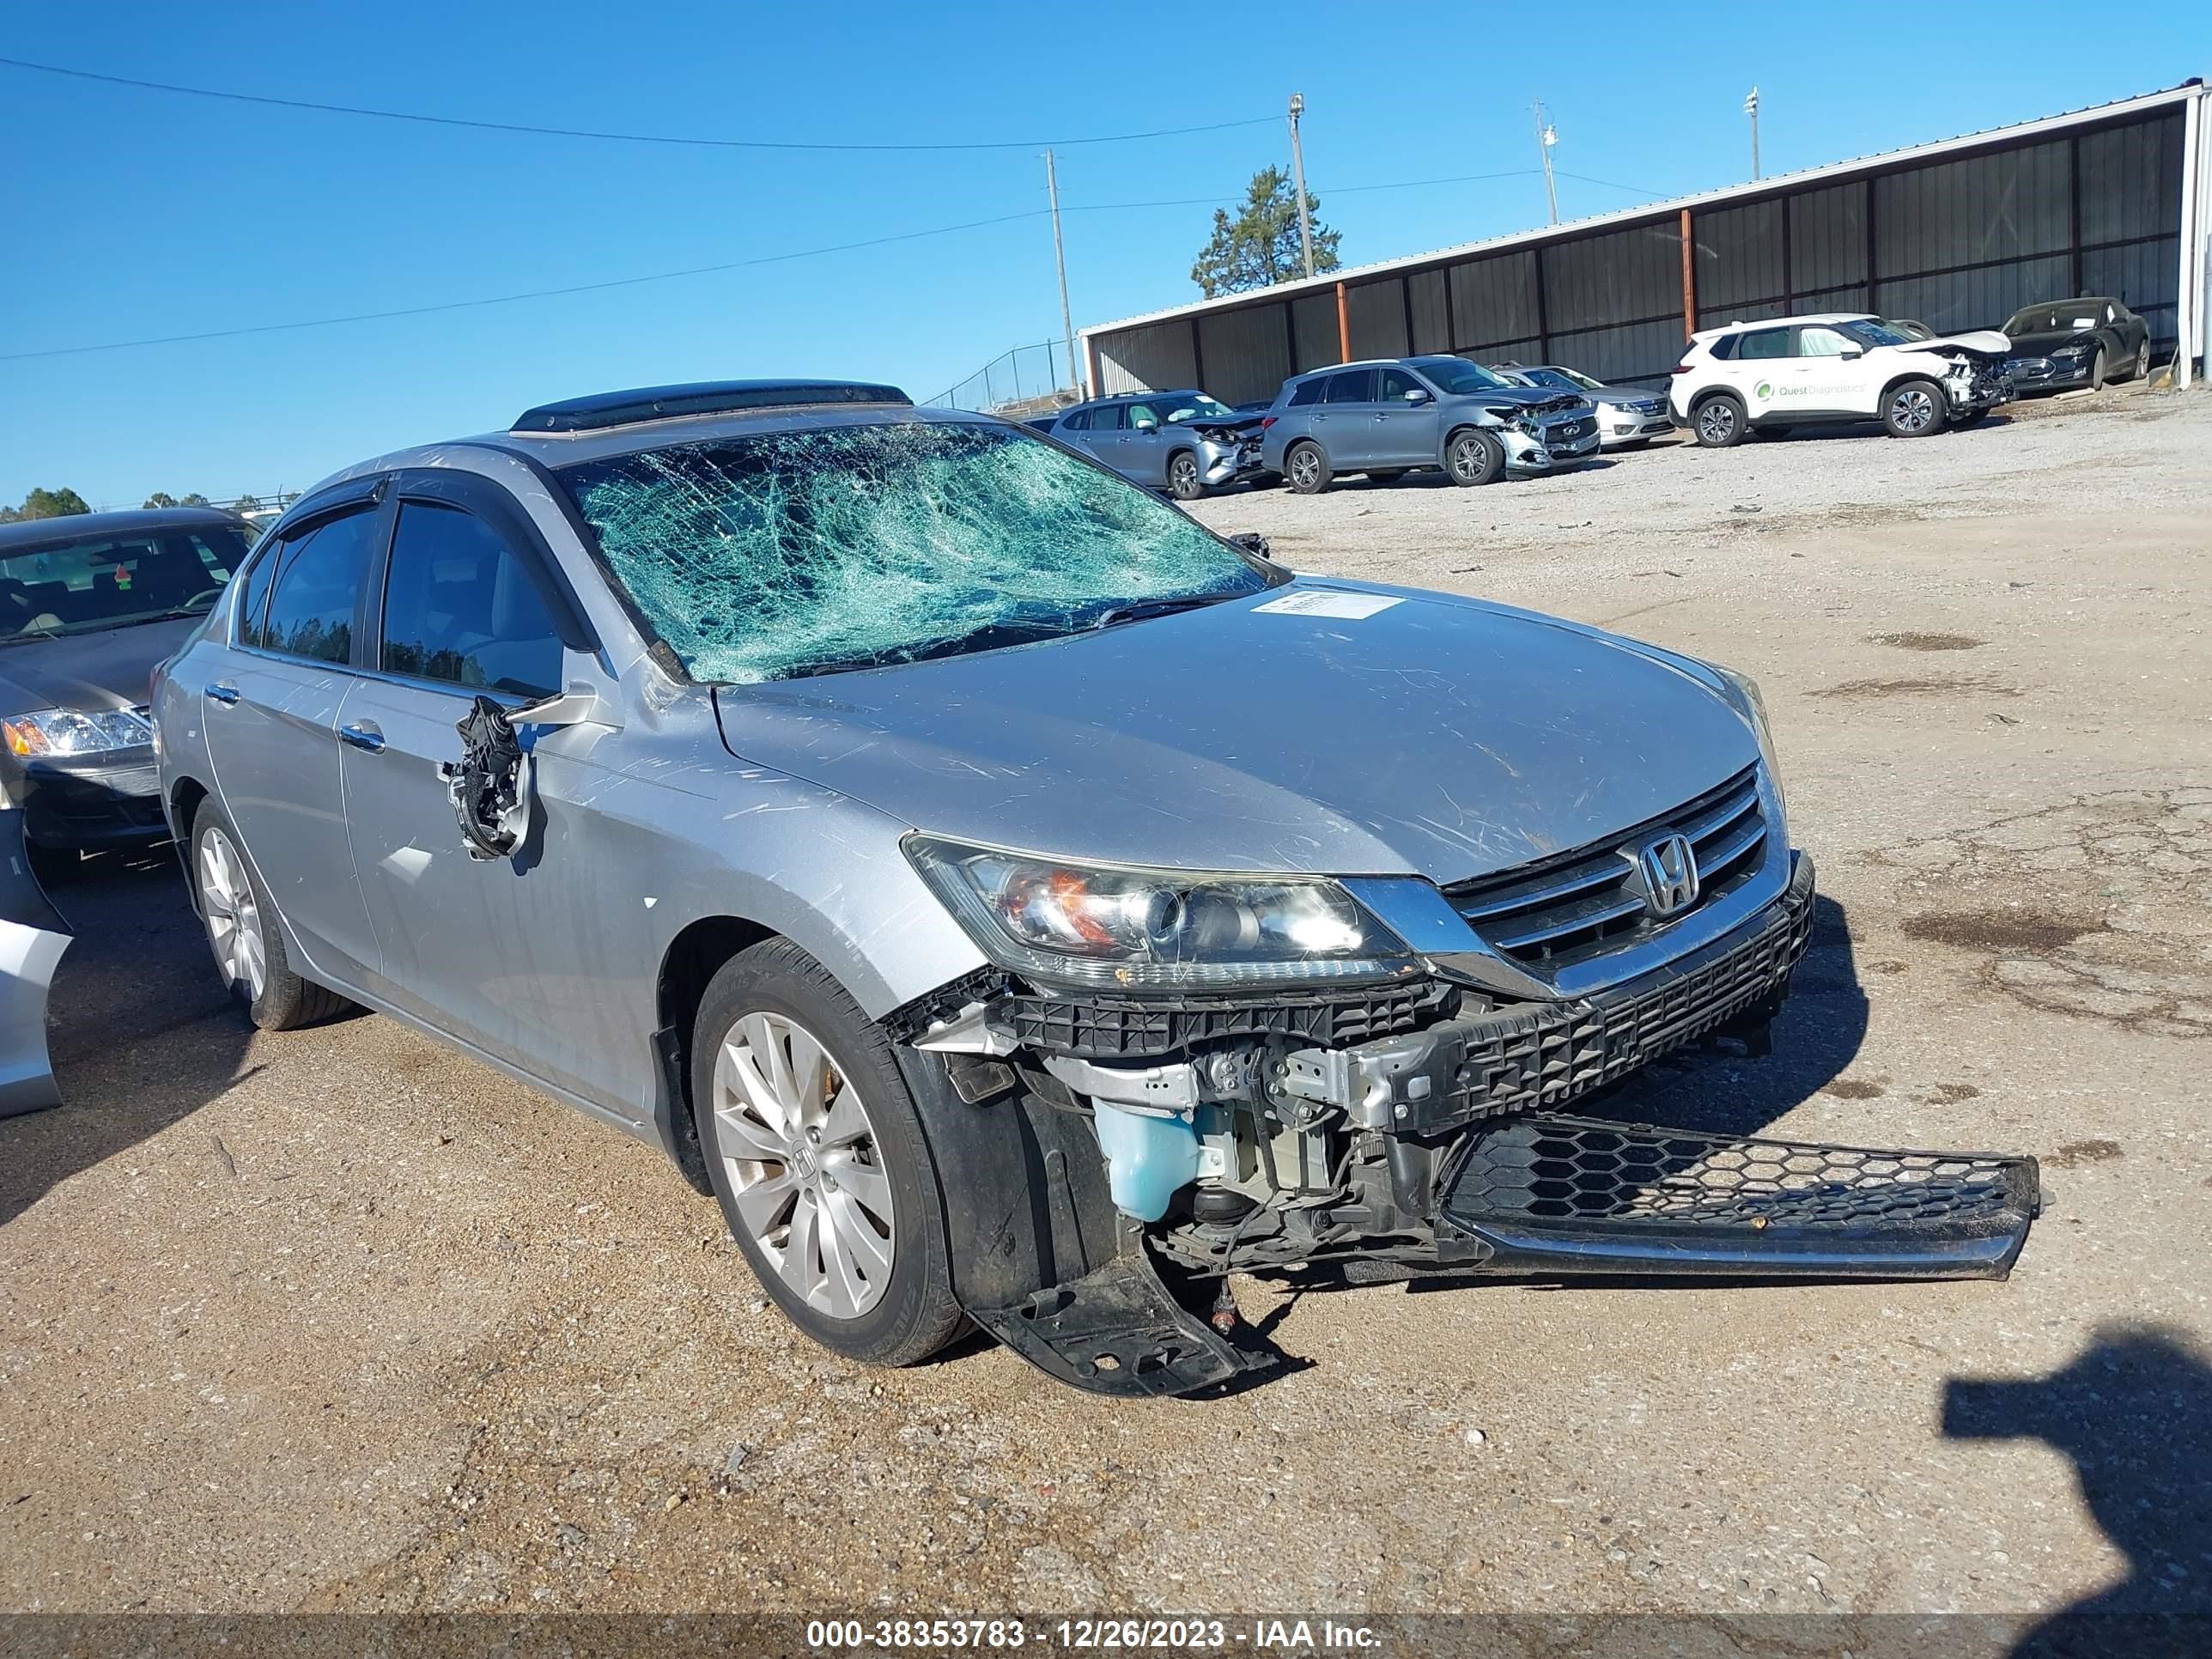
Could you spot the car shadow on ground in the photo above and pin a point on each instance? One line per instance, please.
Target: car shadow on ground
(2133, 1412)
(141, 1031)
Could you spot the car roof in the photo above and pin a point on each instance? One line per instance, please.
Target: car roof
(1807, 319)
(83, 526)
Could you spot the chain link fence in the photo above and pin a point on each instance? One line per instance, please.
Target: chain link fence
(1029, 380)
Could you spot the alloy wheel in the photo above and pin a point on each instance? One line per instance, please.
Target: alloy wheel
(1716, 420)
(1913, 409)
(802, 1164)
(1182, 477)
(234, 916)
(1305, 467)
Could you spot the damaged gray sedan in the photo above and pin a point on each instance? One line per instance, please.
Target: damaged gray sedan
(1012, 902)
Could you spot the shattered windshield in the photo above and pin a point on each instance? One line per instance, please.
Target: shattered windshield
(787, 553)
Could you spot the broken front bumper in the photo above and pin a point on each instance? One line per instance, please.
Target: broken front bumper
(1539, 1054)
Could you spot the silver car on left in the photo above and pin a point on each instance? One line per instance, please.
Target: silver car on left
(1183, 442)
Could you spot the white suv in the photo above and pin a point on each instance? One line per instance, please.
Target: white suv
(1767, 377)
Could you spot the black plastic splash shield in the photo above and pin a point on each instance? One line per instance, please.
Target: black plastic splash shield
(1119, 1330)
(1554, 1194)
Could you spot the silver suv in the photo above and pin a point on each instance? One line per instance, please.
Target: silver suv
(1389, 419)
(1183, 442)
(1008, 898)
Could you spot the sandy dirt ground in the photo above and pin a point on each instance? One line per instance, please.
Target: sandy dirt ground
(334, 1320)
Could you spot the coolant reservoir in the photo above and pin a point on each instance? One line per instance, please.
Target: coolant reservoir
(1149, 1157)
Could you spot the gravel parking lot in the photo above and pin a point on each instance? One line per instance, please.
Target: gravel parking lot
(334, 1320)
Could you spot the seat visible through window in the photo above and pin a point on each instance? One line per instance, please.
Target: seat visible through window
(460, 606)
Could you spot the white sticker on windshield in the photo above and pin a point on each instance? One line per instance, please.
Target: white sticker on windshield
(1324, 602)
(2085, 322)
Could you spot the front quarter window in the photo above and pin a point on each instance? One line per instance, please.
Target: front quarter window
(764, 556)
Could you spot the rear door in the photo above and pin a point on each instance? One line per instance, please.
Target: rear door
(1346, 419)
(273, 714)
(1763, 372)
(1106, 434)
(494, 951)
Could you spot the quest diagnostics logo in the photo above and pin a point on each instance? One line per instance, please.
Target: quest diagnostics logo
(1764, 389)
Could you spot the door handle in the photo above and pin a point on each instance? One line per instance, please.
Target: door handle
(223, 691)
(364, 736)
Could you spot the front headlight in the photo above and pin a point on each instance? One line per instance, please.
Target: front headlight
(2074, 353)
(1742, 693)
(74, 732)
(1154, 929)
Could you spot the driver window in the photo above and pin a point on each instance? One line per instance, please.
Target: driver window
(1138, 412)
(1396, 383)
(459, 607)
(1823, 343)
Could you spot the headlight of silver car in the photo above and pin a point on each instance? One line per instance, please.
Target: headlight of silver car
(1742, 693)
(74, 732)
(1154, 929)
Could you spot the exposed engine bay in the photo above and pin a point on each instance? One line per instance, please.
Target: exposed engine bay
(1416, 1129)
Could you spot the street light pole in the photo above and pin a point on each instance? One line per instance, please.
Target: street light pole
(1545, 137)
(1059, 259)
(1751, 108)
(1298, 182)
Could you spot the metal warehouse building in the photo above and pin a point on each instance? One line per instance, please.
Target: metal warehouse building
(1958, 235)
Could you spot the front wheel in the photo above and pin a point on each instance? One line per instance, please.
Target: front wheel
(1307, 468)
(1915, 409)
(1183, 481)
(2142, 362)
(818, 1156)
(2097, 371)
(244, 934)
(1718, 421)
(1474, 458)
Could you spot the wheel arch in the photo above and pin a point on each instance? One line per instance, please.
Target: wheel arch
(1890, 385)
(184, 801)
(688, 966)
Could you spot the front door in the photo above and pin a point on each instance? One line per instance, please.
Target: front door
(1407, 433)
(1836, 372)
(273, 714)
(488, 950)
(1144, 456)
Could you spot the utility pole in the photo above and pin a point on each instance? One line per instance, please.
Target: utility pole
(1751, 108)
(1546, 137)
(1298, 180)
(1059, 259)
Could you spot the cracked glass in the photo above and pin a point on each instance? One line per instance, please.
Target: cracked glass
(779, 554)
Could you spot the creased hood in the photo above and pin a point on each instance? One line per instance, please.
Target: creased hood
(111, 669)
(1437, 737)
(2045, 342)
(1987, 341)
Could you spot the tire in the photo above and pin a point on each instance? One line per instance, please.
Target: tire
(1769, 433)
(879, 1288)
(1184, 483)
(244, 933)
(1972, 418)
(1915, 409)
(2142, 362)
(1718, 421)
(1473, 457)
(2097, 371)
(1306, 468)
(1390, 474)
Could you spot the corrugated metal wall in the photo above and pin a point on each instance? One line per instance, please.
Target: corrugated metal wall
(1959, 243)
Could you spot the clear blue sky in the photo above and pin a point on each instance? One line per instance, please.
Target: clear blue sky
(132, 213)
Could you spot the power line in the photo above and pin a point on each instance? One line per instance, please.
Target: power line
(732, 264)
(270, 101)
(533, 294)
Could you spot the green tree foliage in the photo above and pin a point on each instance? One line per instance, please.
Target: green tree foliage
(46, 504)
(244, 504)
(1259, 246)
(194, 499)
(161, 498)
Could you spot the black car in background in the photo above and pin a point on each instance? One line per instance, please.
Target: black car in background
(88, 605)
(2075, 343)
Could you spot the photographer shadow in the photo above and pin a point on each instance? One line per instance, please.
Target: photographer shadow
(2133, 1414)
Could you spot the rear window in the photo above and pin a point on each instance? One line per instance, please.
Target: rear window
(1355, 386)
(96, 582)
(1306, 391)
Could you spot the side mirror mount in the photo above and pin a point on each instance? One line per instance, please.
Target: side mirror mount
(1851, 357)
(1144, 423)
(493, 787)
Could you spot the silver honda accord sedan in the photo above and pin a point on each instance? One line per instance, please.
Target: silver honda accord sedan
(1012, 902)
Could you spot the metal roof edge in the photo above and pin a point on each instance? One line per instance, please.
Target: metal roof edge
(1830, 172)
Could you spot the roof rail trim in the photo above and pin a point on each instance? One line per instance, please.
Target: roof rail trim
(603, 410)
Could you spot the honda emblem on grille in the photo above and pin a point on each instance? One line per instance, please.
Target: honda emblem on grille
(1670, 875)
